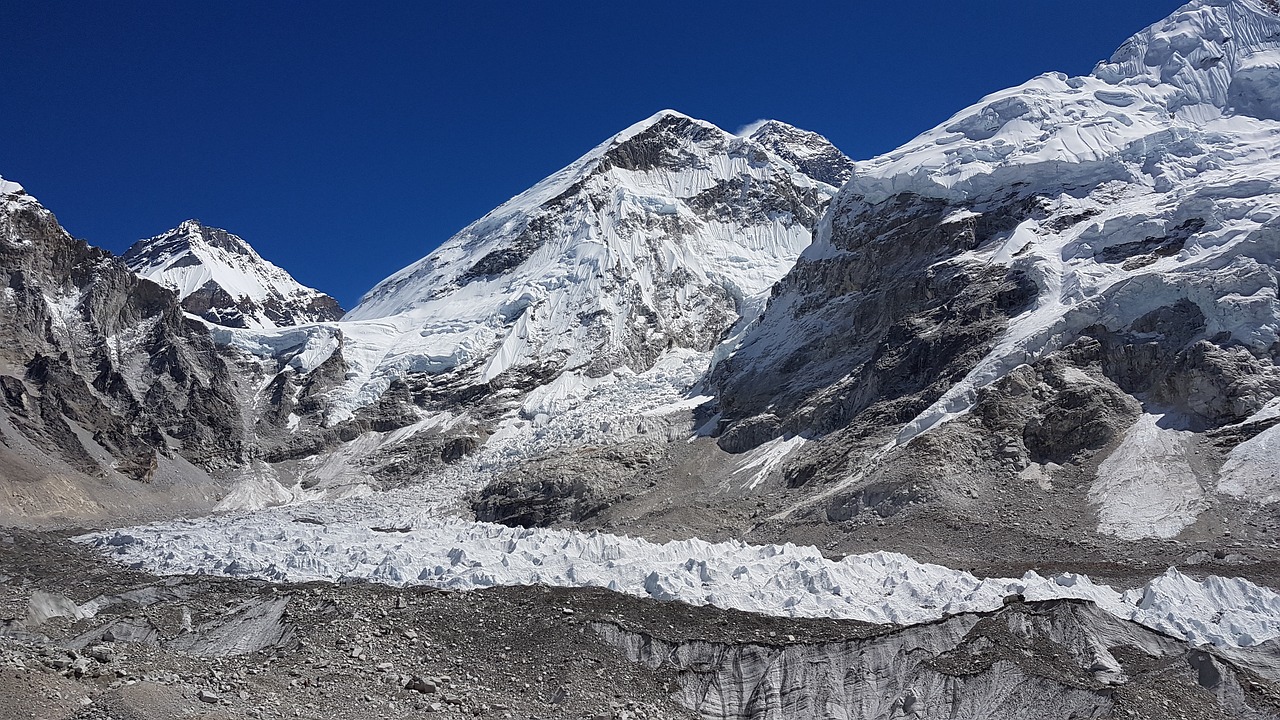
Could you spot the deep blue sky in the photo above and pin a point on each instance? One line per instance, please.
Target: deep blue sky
(345, 140)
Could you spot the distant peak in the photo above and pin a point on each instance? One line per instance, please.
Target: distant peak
(219, 277)
(668, 113)
(195, 232)
(662, 120)
(186, 239)
(811, 153)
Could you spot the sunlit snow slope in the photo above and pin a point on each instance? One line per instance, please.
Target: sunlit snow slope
(219, 277)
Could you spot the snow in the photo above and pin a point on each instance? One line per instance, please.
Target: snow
(783, 580)
(1147, 487)
(1156, 136)
(1252, 469)
(256, 487)
(185, 262)
(14, 197)
(763, 460)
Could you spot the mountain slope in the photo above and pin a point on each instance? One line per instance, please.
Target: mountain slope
(115, 404)
(219, 277)
(1071, 283)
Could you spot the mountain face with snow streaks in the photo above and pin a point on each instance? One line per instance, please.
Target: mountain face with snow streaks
(810, 152)
(1073, 275)
(219, 277)
(665, 236)
(115, 403)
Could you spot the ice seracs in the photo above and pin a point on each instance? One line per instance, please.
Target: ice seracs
(786, 580)
(219, 277)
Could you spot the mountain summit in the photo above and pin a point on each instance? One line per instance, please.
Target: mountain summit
(663, 237)
(811, 153)
(219, 277)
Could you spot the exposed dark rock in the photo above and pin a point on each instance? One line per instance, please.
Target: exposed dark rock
(115, 375)
(811, 153)
(889, 324)
(564, 487)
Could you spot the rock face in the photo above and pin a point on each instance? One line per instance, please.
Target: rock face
(811, 153)
(219, 277)
(102, 376)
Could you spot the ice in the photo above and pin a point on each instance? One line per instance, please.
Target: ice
(1252, 469)
(784, 580)
(762, 461)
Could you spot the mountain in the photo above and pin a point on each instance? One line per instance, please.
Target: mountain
(219, 277)
(663, 237)
(115, 404)
(1057, 308)
(811, 153)
(626, 269)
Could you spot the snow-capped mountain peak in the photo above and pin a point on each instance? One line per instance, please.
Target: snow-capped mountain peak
(1223, 53)
(662, 237)
(221, 278)
(811, 153)
(1133, 210)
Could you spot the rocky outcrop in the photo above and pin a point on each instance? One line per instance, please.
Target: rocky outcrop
(567, 488)
(810, 152)
(874, 331)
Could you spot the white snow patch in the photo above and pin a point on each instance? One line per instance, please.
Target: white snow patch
(1252, 469)
(960, 216)
(1147, 488)
(763, 460)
